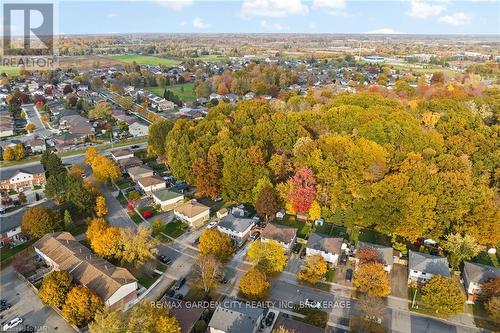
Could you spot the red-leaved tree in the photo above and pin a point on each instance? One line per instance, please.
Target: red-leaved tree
(302, 190)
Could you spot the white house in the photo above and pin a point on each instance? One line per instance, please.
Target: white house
(137, 129)
(122, 153)
(330, 248)
(422, 266)
(475, 275)
(151, 183)
(139, 172)
(192, 213)
(282, 234)
(233, 316)
(238, 228)
(167, 199)
(116, 286)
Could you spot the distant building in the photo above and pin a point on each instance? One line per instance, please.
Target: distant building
(116, 286)
(137, 129)
(139, 172)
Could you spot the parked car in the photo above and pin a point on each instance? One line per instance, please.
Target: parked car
(171, 293)
(296, 248)
(223, 279)
(12, 323)
(165, 260)
(211, 225)
(5, 306)
(255, 236)
(303, 255)
(343, 258)
(178, 285)
(348, 275)
(179, 296)
(197, 241)
(270, 318)
(135, 146)
(312, 303)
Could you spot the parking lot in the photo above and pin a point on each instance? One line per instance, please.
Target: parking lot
(26, 304)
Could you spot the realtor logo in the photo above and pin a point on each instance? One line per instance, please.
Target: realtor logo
(28, 29)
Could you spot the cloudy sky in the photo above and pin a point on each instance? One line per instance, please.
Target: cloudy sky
(285, 16)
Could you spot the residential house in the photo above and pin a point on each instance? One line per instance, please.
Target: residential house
(222, 213)
(330, 248)
(116, 286)
(282, 234)
(423, 266)
(122, 153)
(386, 253)
(6, 124)
(192, 213)
(233, 316)
(236, 227)
(167, 199)
(129, 162)
(139, 172)
(292, 325)
(475, 275)
(25, 177)
(67, 140)
(137, 129)
(186, 314)
(37, 145)
(165, 105)
(76, 125)
(151, 183)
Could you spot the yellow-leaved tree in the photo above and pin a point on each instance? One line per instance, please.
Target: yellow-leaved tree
(372, 279)
(81, 306)
(101, 209)
(313, 270)
(213, 242)
(269, 256)
(254, 284)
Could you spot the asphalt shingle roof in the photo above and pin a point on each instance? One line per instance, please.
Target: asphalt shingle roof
(427, 263)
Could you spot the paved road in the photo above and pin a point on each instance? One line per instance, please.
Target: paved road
(28, 306)
(32, 117)
(117, 215)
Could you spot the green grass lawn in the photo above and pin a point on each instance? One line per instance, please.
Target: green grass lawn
(174, 229)
(331, 230)
(315, 317)
(144, 60)
(487, 259)
(78, 228)
(9, 70)
(151, 208)
(211, 57)
(330, 274)
(121, 198)
(135, 217)
(303, 228)
(185, 91)
(7, 253)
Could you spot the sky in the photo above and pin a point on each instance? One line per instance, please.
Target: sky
(282, 16)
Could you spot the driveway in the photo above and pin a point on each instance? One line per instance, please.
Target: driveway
(399, 281)
(117, 215)
(33, 118)
(27, 305)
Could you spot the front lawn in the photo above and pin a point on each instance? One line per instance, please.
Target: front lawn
(304, 228)
(330, 274)
(152, 209)
(123, 183)
(135, 217)
(175, 228)
(121, 198)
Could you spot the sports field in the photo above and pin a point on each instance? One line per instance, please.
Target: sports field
(144, 60)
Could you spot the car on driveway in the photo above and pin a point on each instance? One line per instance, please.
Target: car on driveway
(211, 225)
(348, 275)
(178, 285)
(5, 306)
(12, 323)
(255, 236)
(269, 318)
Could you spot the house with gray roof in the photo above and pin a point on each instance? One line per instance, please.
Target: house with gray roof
(330, 248)
(139, 172)
(236, 227)
(423, 266)
(475, 275)
(386, 253)
(233, 316)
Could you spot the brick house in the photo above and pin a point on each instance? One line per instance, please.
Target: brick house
(27, 177)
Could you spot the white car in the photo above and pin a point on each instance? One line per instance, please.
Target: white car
(211, 225)
(312, 303)
(12, 323)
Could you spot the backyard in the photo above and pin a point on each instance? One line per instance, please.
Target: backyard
(185, 91)
(304, 228)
